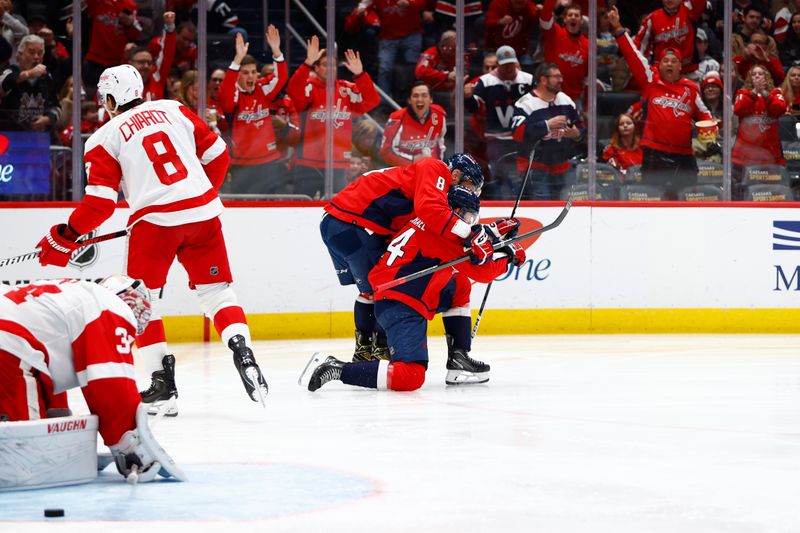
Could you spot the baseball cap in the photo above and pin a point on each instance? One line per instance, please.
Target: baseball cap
(701, 34)
(669, 50)
(506, 54)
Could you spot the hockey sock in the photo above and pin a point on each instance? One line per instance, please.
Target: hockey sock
(361, 374)
(364, 314)
(458, 327)
(152, 346)
(230, 321)
(405, 376)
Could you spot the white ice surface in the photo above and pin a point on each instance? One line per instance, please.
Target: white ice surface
(644, 434)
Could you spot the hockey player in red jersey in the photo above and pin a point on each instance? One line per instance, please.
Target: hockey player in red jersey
(360, 220)
(169, 165)
(566, 46)
(404, 310)
(671, 104)
(56, 335)
(307, 90)
(671, 26)
(256, 167)
(415, 131)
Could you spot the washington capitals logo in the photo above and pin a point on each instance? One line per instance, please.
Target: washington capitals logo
(679, 106)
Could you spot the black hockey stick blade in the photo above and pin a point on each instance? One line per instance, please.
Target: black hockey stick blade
(34, 254)
(497, 246)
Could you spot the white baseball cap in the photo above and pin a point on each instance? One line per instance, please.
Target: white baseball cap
(506, 54)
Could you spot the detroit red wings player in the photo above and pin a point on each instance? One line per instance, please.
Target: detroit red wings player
(169, 165)
(62, 334)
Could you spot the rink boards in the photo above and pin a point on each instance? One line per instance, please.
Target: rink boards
(607, 268)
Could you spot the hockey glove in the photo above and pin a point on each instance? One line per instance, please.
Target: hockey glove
(515, 252)
(505, 228)
(57, 246)
(479, 245)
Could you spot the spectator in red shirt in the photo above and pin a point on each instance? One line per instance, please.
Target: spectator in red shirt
(155, 72)
(758, 105)
(307, 89)
(255, 166)
(791, 90)
(757, 53)
(511, 22)
(185, 54)
(624, 151)
(415, 131)
(437, 64)
(400, 33)
(671, 26)
(566, 47)
(114, 24)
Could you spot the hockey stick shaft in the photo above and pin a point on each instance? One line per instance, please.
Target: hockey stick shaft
(513, 212)
(497, 246)
(34, 254)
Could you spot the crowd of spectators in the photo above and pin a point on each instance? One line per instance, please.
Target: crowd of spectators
(525, 86)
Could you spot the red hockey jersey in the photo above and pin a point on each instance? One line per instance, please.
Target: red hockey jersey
(517, 33)
(308, 94)
(398, 21)
(670, 109)
(253, 137)
(757, 140)
(162, 64)
(407, 138)
(167, 161)
(109, 36)
(418, 246)
(569, 52)
(382, 201)
(660, 30)
(622, 158)
(434, 69)
(80, 335)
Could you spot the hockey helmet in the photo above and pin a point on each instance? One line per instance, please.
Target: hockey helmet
(469, 168)
(123, 82)
(134, 293)
(464, 203)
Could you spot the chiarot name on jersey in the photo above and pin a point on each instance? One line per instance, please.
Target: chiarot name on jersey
(139, 120)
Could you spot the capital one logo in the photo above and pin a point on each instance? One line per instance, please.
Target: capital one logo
(6, 171)
(532, 269)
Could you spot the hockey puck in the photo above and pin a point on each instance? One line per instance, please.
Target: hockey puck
(52, 513)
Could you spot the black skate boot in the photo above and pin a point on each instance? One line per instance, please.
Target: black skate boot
(245, 361)
(363, 347)
(380, 349)
(319, 370)
(463, 369)
(162, 388)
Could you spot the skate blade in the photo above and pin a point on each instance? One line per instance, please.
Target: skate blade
(313, 363)
(155, 408)
(460, 377)
(259, 390)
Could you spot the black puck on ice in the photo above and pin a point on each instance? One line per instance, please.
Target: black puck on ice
(52, 513)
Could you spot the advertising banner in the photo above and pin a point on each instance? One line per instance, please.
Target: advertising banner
(24, 163)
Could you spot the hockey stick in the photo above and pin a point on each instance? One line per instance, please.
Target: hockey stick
(513, 212)
(34, 254)
(497, 246)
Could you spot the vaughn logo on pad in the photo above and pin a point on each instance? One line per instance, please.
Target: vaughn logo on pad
(786, 235)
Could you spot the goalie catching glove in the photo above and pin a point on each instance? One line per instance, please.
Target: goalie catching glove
(57, 246)
(139, 457)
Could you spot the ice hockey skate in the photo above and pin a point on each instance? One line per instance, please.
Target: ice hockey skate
(319, 370)
(380, 349)
(162, 388)
(245, 361)
(463, 369)
(363, 351)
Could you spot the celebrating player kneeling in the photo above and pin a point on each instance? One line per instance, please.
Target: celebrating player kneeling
(60, 334)
(404, 310)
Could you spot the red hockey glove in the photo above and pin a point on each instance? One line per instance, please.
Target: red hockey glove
(505, 228)
(516, 254)
(57, 246)
(479, 244)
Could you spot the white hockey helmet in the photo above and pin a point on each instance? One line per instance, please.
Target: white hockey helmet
(124, 83)
(134, 293)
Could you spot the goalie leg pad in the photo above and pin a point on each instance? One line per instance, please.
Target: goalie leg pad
(48, 453)
(139, 453)
(402, 376)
